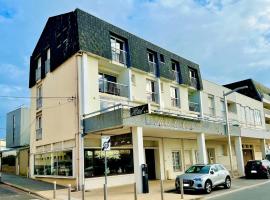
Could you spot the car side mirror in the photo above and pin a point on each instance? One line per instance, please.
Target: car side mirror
(212, 172)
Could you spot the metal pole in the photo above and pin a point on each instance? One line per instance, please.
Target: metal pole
(54, 190)
(228, 133)
(182, 188)
(69, 191)
(135, 192)
(161, 189)
(105, 191)
(83, 192)
(105, 185)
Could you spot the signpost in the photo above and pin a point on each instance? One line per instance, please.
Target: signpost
(105, 146)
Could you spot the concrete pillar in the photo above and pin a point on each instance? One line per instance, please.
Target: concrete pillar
(239, 156)
(201, 104)
(138, 155)
(202, 148)
(263, 148)
(161, 160)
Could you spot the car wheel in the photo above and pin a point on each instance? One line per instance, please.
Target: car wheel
(228, 183)
(208, 187)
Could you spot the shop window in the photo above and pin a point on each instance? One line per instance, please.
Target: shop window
(176, 161)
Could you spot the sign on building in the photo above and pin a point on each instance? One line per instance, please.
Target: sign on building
(105, 143)
(139, 110)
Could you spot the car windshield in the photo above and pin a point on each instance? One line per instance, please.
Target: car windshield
(198, 169)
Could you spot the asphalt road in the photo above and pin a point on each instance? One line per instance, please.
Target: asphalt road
(10, 193)
(258, 191)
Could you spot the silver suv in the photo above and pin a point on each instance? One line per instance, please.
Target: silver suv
(204, 177)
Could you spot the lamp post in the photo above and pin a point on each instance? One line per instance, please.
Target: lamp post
(227, 122)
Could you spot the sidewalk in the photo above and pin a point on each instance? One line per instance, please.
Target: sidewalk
(45, 190)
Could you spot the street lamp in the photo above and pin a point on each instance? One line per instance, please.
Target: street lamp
(227, 122)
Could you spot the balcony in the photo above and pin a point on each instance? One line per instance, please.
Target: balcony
(175, 102)
(267, 126)
(119, 56)
(38, 73)
(39, 134)
(194, 107)
(193, 82)
(47, 66)
(38, 102)
(176, 76)
(152, 97)
(267, 113)
(113, 88)
(152, 67)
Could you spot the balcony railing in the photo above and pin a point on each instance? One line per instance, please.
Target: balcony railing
(39, 134)
(38, 73)
(152, 97)
(266, 111)
(152, 67)
(193, 82)
(175, 102)
(119, 56)
(47, 66)
(195, 107)
(176, 76)
(113, 88)
(267, 127)
(39, 102)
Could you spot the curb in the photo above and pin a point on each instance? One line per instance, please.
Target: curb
(25, 190)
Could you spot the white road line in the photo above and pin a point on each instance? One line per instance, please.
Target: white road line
(236, 190)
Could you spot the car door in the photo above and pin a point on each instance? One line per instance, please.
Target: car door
(215, 175)
(222, 174)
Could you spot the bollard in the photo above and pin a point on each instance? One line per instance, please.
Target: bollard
(182, 188)
(161, 189)
(69, 191)
(105, 191)
(135, 192)
(54, 190)
(83, 192)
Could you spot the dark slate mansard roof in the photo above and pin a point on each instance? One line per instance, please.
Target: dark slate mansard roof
(77, 31)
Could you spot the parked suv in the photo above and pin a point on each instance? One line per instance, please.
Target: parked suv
(204, 177)
(257, 169)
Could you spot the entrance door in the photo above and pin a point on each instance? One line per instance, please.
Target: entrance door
(248, 155)
(211, 155)
(150, 161)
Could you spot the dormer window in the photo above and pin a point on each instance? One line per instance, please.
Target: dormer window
(152, 63)
(193, 78)
(48, 61)
(175, 70)
(119, 53)
(38, 69)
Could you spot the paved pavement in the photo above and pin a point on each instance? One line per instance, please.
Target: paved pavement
(10, 193)
(260, 192)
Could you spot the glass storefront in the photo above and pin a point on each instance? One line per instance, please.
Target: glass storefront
(54, 164)
(120, 161)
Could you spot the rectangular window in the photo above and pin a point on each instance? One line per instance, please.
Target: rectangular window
(162, 58)
(152, 62)
(13, 128)
(120, 161)
(222, 109)
(258, 118)
(175, 70)
(39, 97)
(108, 84)
(39, 63)
(119, 53)
(176, 161)
(211, 105)
(175, 100)
(151, 90)
(48, 61)
(54, 164)
(193, 78)
(39, 127)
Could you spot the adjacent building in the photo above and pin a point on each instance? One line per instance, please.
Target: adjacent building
(86, 75)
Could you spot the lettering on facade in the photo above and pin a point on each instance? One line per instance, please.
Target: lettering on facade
(140, 110)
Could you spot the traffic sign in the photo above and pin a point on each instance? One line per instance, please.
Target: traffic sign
(105, 143)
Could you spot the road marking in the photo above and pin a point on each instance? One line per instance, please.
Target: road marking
(236, 190)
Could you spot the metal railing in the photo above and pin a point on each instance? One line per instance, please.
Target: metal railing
(38, 73)
(175, 102)
(39, 134)
(175, 76)
(152, 97)
(113, 88)
(193, 82)
(266, 111)
(119, 55)
(47, 66)
(193, 106)
(39, 103)
(152, 67)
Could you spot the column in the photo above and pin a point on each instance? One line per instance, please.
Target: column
(239, 156)
(138, 155)
(201, 104)
(263, 148)
(202, 148)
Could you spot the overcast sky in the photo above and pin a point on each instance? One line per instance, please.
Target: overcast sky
(229, 39)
